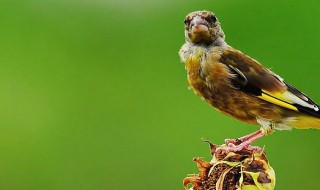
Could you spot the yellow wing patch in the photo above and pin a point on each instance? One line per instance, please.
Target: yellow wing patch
(278, 102)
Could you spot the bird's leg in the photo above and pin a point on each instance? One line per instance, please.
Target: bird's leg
(230, 142)
(245, 142)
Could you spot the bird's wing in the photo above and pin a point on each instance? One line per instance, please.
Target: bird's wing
(253, 78)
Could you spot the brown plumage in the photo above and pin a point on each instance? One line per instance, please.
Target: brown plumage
(238, 85)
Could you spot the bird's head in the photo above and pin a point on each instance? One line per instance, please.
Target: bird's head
(203, 27)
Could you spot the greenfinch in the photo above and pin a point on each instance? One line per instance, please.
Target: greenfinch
(239, 86)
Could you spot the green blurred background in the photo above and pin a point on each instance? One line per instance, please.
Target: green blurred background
(93, 94)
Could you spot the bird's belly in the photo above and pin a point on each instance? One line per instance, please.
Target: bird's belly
(233, 104)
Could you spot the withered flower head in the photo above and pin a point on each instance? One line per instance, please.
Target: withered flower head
(244, 170)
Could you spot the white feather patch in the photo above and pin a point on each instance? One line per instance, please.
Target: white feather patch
(284, 124)
(295, 99)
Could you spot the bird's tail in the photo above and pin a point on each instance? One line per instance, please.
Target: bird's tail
(307, 122)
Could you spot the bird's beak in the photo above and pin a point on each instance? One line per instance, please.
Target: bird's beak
(198, 25)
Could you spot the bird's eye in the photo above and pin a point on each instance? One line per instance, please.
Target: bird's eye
(211, 19)
(186, 21)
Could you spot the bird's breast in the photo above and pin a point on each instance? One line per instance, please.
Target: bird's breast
(210, 80)
(193, 66)
(206, 75)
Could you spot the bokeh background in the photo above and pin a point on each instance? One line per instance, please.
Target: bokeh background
(93, 94)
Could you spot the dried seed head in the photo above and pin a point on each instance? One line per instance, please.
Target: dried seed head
(247, 169)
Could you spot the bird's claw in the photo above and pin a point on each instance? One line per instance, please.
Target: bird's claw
(237, 148)
(232, 142)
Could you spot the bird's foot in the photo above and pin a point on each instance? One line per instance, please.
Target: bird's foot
(236, 145)
(230, 142)
(239, 148)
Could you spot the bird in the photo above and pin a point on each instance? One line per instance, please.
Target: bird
(238, 85)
